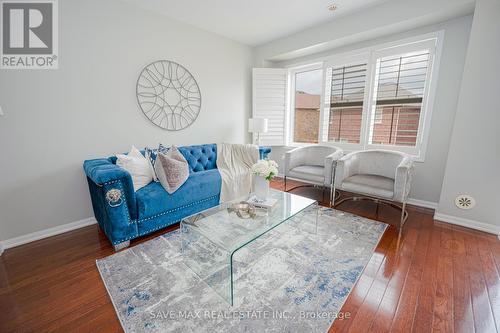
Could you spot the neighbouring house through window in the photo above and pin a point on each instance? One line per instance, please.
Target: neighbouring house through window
(307, 105)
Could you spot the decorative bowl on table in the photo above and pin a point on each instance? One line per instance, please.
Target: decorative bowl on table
(245, 210)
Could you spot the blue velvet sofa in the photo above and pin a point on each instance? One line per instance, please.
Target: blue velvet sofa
(124, 214)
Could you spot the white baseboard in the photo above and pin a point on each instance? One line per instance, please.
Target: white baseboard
(422, 203)
(34, 236)
(486, 227)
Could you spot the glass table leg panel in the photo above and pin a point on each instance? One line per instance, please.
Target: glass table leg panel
(209, 261)
(307, 222)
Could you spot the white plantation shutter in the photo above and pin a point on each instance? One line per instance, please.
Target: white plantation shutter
(344, 96)
(399, 90)
(270, 89)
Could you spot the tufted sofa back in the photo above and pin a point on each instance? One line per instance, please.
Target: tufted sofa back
(200, 157)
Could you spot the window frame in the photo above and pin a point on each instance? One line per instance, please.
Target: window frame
(290, 119)
(418, 151)
(433, 41)
(345, 60)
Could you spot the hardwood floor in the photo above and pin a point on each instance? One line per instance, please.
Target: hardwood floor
(438, 277)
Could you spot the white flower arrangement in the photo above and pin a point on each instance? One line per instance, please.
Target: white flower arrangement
(265, 168)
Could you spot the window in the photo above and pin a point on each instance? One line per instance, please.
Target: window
(307, 85)
(378, 97)
(346, 94)
(398, 94)
(375, 98)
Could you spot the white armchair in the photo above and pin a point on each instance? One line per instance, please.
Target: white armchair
(313, 164)
(380, 175)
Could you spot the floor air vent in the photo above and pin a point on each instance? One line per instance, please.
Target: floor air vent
(464, 201)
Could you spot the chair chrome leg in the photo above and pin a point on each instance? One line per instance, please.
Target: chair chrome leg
(402, 221)
(332, 196)
(403, 218)
(404, 213)
(332, 184)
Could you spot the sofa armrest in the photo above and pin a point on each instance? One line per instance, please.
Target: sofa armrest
(402, 179)
(102, 171)
(113, 199)
(346, 167)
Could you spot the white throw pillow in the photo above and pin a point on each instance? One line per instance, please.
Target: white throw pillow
(138, 167)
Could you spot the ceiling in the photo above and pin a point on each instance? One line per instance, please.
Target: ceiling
(254, 22)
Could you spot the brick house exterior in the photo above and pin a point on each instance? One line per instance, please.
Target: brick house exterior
(345, 125)
(398, 125)
(306, 117)
(393, 124)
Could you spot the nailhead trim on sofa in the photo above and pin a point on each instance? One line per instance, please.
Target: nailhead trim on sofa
(176, 209)
(161, 214)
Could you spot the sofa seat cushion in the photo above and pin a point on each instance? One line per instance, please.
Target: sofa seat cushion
(374, 185)
(313, 173)
(153, 201)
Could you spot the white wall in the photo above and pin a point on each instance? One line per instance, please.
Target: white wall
(474, 157)
(54, 120)
(386, 18)
(429, 174)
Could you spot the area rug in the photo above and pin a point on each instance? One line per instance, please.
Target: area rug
(293, 279)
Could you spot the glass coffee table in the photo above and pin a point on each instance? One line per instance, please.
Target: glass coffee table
(211, 238)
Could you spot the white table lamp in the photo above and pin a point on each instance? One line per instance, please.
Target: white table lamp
(257, 125)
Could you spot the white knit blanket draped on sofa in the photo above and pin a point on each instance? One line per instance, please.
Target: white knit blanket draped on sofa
(234, 162)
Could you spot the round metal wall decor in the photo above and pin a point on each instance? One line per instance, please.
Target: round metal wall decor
(168, 95)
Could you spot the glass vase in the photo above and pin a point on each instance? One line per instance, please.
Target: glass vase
(261, 187)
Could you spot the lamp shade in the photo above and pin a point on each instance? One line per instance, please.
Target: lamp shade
(257, 125)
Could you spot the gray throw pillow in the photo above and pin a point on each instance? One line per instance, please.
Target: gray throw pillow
(172, 169)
